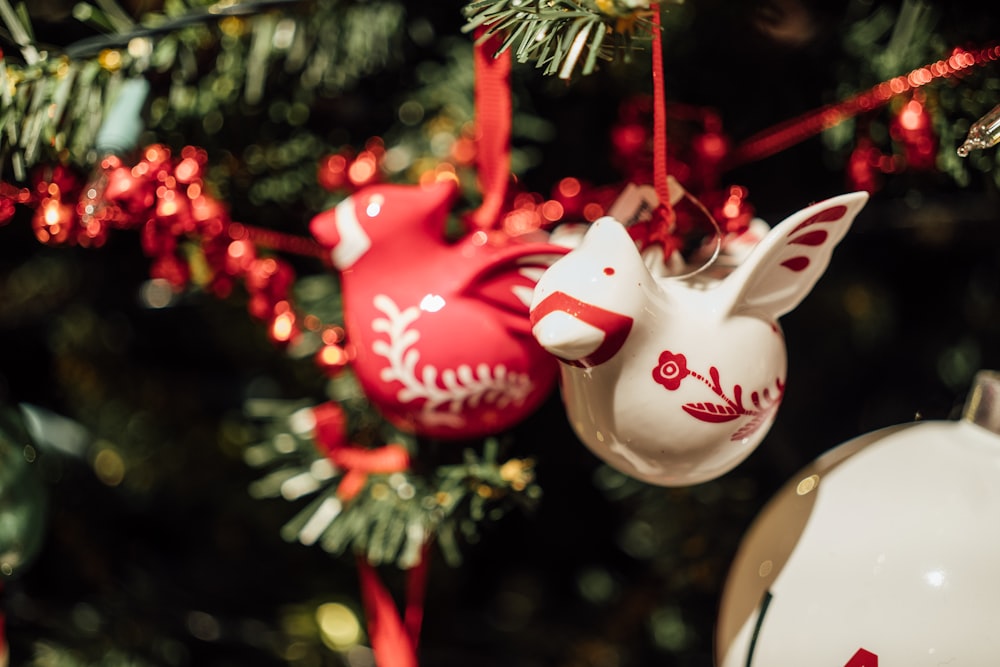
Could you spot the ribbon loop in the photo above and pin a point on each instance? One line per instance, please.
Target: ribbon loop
(493, 111)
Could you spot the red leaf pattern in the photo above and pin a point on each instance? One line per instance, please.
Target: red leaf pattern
(711, 412)
(672, 370)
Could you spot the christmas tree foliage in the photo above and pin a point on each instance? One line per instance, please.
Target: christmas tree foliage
(197, 469)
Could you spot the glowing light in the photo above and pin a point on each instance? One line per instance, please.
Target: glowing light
(913, 117)
(807, 485)
(283, 326)
(332, 335)
(592, 211)
(339, 627)
(52, 213)
(333, 356)
(463, 151)
(110, 60)
(239, 249)
(140, 47)
(167, 207)
(157, 293)
(527, 200)
(156, 154)
(521, 221)
(569, 187)
(187, 170)
(109, 467)
(363, 169)
(732, 208)
(232, 26)
(552, 210)
(713, 146)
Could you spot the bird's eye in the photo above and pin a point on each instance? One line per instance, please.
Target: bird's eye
(609, 270)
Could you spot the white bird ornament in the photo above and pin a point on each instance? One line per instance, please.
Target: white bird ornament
(676, 380)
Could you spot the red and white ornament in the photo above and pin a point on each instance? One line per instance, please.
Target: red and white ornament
(676, 380)
(440, 331)
(884, 549)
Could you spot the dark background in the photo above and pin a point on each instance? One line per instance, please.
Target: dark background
(182, 567)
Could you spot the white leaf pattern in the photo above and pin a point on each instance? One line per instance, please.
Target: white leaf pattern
(459, 387)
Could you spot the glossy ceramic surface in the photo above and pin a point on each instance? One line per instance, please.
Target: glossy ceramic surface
(883, 551)
(440, 331)
(676, 381)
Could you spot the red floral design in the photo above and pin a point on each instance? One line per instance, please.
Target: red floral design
(671, 369)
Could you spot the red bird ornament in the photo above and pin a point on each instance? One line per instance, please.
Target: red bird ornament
(443, 344)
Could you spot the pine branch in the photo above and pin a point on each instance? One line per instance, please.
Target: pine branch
(394, 515)
(561, 36)
(55, 99)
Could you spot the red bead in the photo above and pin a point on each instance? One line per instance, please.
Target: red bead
(133, 193)
(913, 129)
(332, 359)
(54, 222)
(332, 172)
(7, 210)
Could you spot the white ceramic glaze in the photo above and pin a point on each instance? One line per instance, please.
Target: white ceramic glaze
(676, 381)
(884, 551)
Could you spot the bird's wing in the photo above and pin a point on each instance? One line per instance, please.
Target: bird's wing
(506, 281)
(782, 269)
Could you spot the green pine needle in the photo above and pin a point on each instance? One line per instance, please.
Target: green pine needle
(560, 36)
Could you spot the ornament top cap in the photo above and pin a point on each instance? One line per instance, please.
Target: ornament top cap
(982, 406)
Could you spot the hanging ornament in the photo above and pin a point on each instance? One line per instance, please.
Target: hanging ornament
(883, 549)
(863, 172)
(913, 128)
(54, 222)
(709, 150)
(439, 331)
(676, 380)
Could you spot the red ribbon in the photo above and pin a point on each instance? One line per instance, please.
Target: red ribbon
(663, 220)
(356, 462)
(787, 134)
(394, 640)
(493, 111)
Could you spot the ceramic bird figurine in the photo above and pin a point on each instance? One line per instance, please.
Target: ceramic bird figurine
(440, 331)
(675, 381)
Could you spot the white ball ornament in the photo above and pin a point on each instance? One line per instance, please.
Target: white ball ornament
(883, 551)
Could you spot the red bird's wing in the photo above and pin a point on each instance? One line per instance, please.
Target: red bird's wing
(506, 280)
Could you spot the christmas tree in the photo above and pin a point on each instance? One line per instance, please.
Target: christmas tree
(198, 468)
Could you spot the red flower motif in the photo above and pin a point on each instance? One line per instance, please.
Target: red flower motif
(671, 369)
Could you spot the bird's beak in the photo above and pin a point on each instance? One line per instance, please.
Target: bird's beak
(576, 332)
